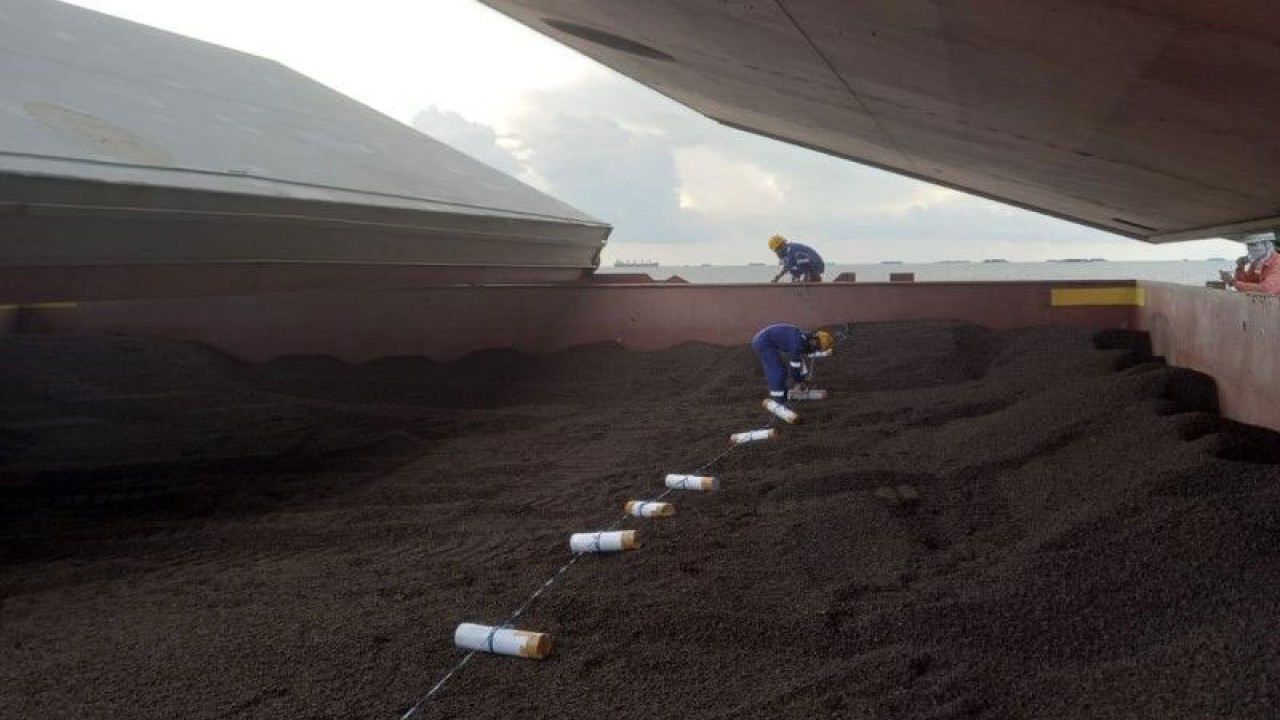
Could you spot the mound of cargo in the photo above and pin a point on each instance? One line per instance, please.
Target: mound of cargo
(1037, 523)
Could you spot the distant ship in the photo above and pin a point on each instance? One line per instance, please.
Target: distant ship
(995, 260)
(635, 263)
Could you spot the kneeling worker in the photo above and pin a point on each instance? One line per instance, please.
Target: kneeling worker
(784, 339)
(803, 262)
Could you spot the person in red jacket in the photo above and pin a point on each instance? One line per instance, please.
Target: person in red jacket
(1246, 270)
(1261, 271)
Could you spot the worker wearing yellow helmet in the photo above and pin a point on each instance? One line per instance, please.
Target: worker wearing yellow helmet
(780, 339)
(803, 262)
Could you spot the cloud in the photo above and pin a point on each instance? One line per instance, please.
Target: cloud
(479, 141)
(712, 183)
(680, 188)
(677, 186)
(605, 149)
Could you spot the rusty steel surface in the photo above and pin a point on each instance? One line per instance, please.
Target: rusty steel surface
(1153, 119)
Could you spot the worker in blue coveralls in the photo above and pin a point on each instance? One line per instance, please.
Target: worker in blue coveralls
(803, 262)
(779, 339)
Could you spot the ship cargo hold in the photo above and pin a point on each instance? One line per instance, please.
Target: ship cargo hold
(128, 179)
(292, 391)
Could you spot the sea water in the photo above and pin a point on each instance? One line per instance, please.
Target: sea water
(1182, 272)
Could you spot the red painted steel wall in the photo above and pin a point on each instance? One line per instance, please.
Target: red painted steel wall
(445, 323)
(1234, 338)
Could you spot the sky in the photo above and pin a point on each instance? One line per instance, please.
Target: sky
(677, 188)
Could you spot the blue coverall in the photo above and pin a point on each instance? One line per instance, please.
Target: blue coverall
(800, 260)
(781, 338)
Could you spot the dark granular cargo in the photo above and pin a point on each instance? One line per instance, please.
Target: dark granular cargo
(991, 525)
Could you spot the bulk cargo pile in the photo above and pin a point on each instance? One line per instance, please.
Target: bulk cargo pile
(1028, 524)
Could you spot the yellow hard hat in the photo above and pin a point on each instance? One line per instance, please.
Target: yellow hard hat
(776, 242)
(825, 341)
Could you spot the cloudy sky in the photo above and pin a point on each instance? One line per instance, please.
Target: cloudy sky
(677, 188)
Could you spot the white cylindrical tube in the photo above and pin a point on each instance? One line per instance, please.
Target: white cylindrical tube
(647, 508)
(502, 641)
(692, 482)
(810, 394)
(604, 541)
(751, 436)
(821, 353)
(781, 411)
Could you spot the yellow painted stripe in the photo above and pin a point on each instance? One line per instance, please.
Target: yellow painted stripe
(53, 306)
(1065, 297)
(8, 307)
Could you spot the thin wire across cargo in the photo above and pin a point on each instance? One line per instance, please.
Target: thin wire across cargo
(515, 615)
(505, 640)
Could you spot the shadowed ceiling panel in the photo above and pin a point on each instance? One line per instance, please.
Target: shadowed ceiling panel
(1149, 118)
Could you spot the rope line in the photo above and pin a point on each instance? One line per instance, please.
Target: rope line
(435, 689)
(418, 705)
(510, 621)
(515, 615)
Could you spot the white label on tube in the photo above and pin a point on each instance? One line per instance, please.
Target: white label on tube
(692, 482)
(781, 411)
(604, 541)
(502, 641)
(648, 508)
(752, 436)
